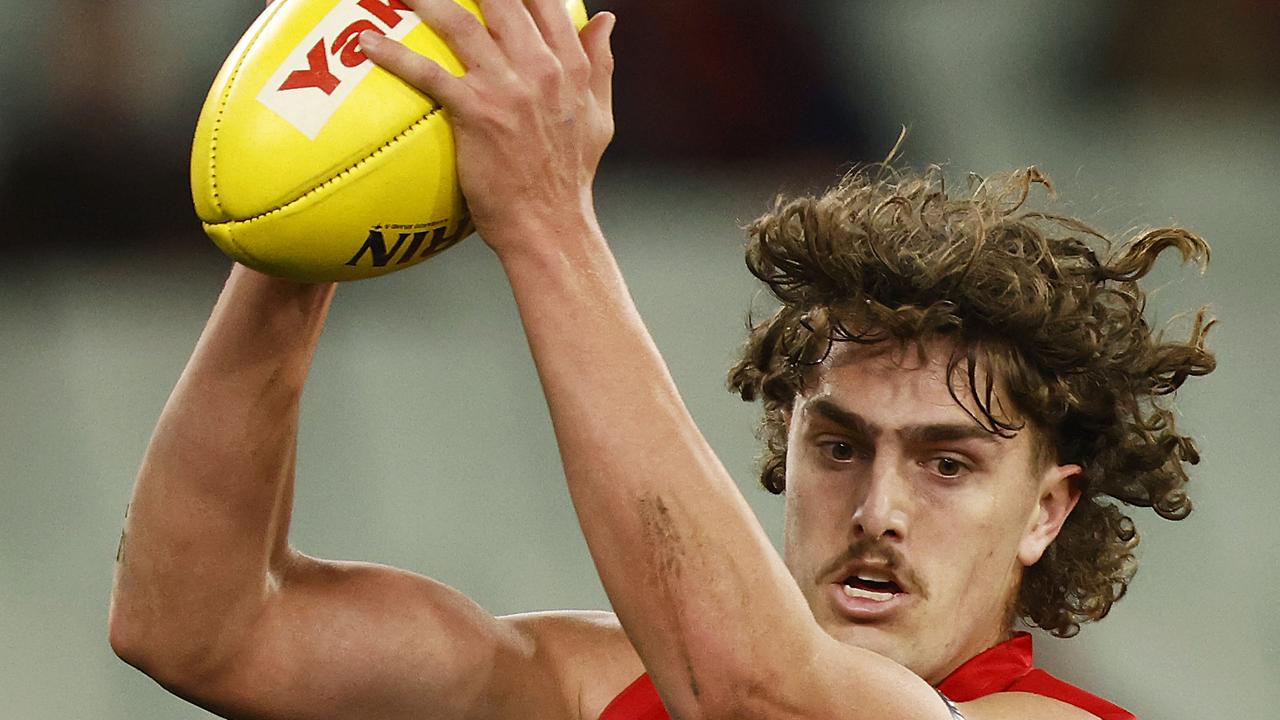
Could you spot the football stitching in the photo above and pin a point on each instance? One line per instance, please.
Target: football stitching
(342, 174)
(222, 106)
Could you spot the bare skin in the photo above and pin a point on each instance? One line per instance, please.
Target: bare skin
(212, 601)
(886, 469)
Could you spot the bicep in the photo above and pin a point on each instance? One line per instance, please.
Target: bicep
(843, 682)
(341, 640)
(1021, 706)
(884, 689)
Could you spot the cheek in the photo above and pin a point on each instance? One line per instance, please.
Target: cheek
(815, 521)
(976, 547)
(800, 523)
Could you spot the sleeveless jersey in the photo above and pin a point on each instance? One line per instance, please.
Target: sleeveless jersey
(1007, 667)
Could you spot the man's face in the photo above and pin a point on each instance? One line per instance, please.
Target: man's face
(907, 524)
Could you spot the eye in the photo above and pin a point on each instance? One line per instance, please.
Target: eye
(838, 450)
(948, 467)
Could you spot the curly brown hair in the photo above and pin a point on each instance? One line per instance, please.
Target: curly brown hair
(1040, 305)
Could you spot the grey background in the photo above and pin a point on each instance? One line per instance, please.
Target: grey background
(425, 442)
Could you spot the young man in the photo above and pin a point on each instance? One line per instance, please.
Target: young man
(952, 388)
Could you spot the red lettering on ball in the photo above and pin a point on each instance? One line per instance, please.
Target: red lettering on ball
(347, 46)
(388, 11)
(317, 75)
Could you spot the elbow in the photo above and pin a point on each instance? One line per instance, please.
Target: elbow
(173, 662)
(137, 651)
(124, 645)
(174, 671)
(131, 643)
(124, 634)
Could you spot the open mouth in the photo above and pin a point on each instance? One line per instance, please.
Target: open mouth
(873, 586)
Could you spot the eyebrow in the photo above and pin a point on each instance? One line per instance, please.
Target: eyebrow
(860, 427)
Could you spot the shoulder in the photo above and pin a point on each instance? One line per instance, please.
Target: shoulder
(588, 652)
(1022, 706)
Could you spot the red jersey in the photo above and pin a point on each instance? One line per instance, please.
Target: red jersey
(1007, 667)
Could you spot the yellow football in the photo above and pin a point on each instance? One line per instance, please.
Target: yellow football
(312, 163)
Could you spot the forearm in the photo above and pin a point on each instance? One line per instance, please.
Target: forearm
(689, 570)
(209, 515)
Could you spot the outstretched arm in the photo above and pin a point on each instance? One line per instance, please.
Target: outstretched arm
(208, 520)
(707, 602)
(212, 601)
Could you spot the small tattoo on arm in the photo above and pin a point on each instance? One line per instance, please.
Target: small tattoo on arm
(123, 531)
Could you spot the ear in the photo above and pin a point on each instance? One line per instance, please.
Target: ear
(1059, 493)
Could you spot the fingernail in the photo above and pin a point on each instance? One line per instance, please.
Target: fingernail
(370, 38)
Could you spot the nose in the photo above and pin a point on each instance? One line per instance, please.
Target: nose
(882, 512)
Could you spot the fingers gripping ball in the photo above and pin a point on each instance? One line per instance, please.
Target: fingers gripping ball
(312, 163)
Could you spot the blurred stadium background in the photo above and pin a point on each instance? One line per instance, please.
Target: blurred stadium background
(425, 442)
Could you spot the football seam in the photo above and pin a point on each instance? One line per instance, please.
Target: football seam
(341, 174)
(222, 107)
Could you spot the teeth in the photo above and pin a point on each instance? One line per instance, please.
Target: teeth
(854, 592)
(875, 575)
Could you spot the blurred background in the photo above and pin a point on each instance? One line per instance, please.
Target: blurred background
(425, 442)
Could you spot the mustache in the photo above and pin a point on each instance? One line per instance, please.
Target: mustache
(868, 549)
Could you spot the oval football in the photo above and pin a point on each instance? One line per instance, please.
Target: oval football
(312, 163)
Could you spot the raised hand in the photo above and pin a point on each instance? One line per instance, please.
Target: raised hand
(532, 114)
